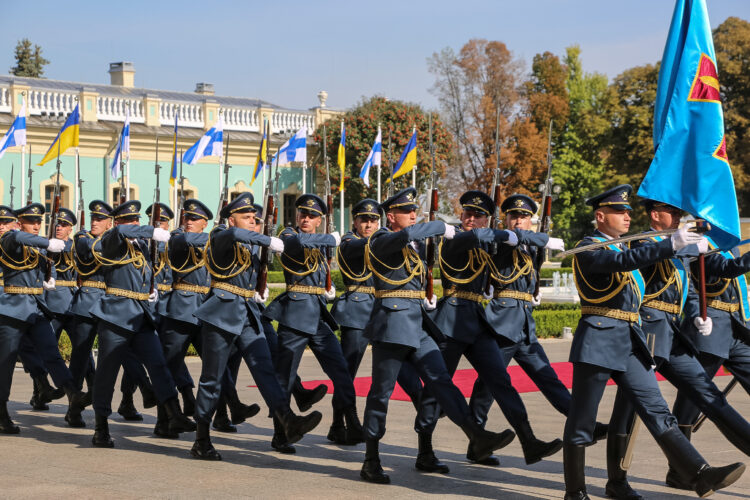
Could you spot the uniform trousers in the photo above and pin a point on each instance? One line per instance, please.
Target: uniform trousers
(387, 360)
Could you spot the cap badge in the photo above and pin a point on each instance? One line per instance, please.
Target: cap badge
(519, 203)
(477, 200)
(192, 206)
(624, 196)
(410, 196)
(34, 210)
(310, 203)
(369, 207)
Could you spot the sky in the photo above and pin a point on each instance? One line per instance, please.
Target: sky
(286, 52)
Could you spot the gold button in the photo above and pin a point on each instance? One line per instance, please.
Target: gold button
(648, 316)
(599, 323)
(395, 306)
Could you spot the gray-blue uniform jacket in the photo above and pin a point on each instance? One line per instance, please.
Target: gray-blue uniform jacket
(229, 254)
(26, 252)
(59, 300)
(91, 271)
(163, 279)
(305, 267)
(352, 308)
(127, 274)
(725, 307)
(606, 279)
(460, 314)
(190, 278)
(396, 265)
(508, 312)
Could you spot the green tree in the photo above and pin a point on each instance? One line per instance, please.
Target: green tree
(29, 60)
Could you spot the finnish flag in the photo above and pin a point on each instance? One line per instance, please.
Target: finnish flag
(16, 135)
(295, 149)
(210, 144)
(123, 148)
(373, 159)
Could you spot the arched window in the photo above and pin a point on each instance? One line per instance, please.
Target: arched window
(114, 193)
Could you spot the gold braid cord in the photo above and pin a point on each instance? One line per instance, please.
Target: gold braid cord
(346, 270)
(241, 261)
(475, 264)
(64, 262)
(522, 266)
(196, 259)
(411, 261)
(30, 259)
(78, 261)
(132, 256)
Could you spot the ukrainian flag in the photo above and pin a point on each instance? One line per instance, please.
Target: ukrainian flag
(408, 159)
(342, 155)
(67, 137)
(261, 161)
(175, 160)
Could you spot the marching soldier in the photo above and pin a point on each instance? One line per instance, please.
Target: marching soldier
(473, 332)
(609, 343)
(24, 311)
(230, 317)
(400, 331)
(303, 316)
(127, 318)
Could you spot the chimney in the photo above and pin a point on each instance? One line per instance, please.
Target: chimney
(122, 74)
(204, 88)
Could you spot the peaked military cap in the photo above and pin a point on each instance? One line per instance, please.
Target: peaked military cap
(519, 203)
(477, 201)
(258, 212)
(616, 198)
(406, 199)
(196, 208)
(165, 214)
(243, 203)
(100, 209)
(128, 209)
(6, 213)
(67, 216)
(31, 211)
(652, 204)
(366, 208)
(311, 203)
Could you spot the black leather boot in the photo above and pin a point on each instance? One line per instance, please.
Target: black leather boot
(188, 401)
(76, 406)
(221, 418)
(354, 432)
(127, 409)
(372, 471)
(673, 478)
(6, 424)
(690, 465)
(574, 461)
(237, 409)
(202, 448)
(306, 398)
(161, 429)
(101, 438)
(534, 450)
(36, 402)
(278, 441)
(296, 426)
(600, 432)
(617, 478)
(177, 421)
(490, 461)
(426, 459)
(482, 442)
(46, 393)
(149, 397)
(337, 432)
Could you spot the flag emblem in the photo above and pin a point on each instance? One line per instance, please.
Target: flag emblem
(705, 86)
(721, 151)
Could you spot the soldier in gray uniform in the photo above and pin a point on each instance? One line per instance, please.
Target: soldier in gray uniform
(24, 312)
(610, 343)
(401, 331)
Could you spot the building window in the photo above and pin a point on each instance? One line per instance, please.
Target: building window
(47, 189)
(290, 211)
(116, 195)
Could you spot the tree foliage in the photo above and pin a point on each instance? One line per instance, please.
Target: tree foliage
(29, 60)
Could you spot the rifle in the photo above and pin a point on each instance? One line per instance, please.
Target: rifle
(546, 220)
(30, 172)
(329, 210)
(430, 246)
(496, 193)
(12, 187)
(52, 232)
(81, 206)
(224, 198)
(270, 214)
(182, 196)
(155, 218)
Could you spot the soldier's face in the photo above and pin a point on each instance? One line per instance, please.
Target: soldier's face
(30, 225)
(308, 222)
(196, 225)
(471, 219)
(253, 225)
(518, 220)
(366, 225)
(164, 224)
(63, 231)
(7, 225)
(99, 225)
(399, 218)
(613, 222)
(132, 221)
(665, 218)
(244, 220)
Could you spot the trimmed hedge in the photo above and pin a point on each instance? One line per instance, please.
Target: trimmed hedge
(547, 273)
(550, 322)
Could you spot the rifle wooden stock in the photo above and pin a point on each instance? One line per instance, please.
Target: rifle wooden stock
(269, 214)
(154, 246)
(52, 233)
(493, 225)
(430, 250)
(329, 230)
(543, 228)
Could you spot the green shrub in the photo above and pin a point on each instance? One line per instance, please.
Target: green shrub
(547, 272)
(558, 307)
(549, 323)
(65, 346)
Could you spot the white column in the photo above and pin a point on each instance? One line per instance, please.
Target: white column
(304, 177)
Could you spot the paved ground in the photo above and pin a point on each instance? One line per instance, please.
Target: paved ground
(50, 460)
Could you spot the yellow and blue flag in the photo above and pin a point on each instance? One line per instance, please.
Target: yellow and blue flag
(342, 155)
(66, 137)
(175, 160)
(408, 159)
(261, 161)
(690, 169)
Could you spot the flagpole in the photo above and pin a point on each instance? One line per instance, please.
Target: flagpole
(127, 177)
(414, 169)
(341, 208)
(77, 184)
(23, 173)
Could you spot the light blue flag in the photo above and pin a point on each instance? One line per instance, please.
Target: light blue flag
(295, 149)
(373, 159)
(123, 148)
(16, 135)
(690, 169)
(210, 144)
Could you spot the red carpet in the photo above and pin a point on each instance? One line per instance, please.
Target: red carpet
(464, 380)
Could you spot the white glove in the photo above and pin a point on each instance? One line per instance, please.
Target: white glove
(330, 294)
(49, 285)
(430, 304)
(261, 298)
(154, 296)
(276, 245)
(55, 245)
(160, 235)
(555, 244)
(336, 236)
(490, 294)
(537, 299)
(682, 238)
(450, 232)
(512, 238)
(703, 326)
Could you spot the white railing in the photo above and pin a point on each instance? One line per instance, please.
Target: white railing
(5, 99)
(242, 119)
(51, 102)
(115, 109)
(190, 115)
(285, 121)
